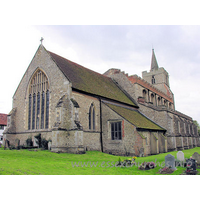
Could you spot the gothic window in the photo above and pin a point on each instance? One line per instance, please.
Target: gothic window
(165, 103)
(159, 101)
(152, 98)
(29, 112)
(92, 117)
(47, 109)
(38, 108)
(153, 80)
(144, 92)
(33, 116)
(116, 130)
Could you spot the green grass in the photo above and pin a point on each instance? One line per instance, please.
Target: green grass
(25, 162)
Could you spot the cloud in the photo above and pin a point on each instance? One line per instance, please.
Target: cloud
(100, 48)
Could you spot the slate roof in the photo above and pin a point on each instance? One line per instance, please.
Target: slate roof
(91, 82)
(3, 119)
(135, 117)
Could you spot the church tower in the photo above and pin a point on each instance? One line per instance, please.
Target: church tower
(157, 76)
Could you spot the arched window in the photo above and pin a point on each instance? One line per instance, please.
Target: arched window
(152, 98)
(38, 108)
(159, 101)
(144, 93)
(153, 80)
(92, 117)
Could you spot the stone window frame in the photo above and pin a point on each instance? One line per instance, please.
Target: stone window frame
(38, 101)
(153, 80)
(92, 117)
(119, 135)
(144, 94)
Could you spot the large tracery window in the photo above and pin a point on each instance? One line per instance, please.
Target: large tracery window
(38, 108)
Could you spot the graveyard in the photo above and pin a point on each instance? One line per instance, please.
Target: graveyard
(44, 162)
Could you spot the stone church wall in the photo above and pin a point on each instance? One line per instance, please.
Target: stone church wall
(58, 85)
(117, 147)
(91, 138)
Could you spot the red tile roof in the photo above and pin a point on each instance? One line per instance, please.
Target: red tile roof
(3, 119)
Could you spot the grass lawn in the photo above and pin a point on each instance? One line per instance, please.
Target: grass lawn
(25, 162)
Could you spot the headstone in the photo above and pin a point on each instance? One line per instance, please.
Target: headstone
(196, 156)
(170, 161)
(180, 156)
(49, 145)
(35, 142)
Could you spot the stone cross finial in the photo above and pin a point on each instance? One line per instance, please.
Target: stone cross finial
(41, 40)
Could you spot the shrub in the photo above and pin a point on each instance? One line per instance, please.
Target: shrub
(44, 143)
(29, 142)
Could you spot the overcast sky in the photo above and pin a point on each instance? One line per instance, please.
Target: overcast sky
(100, 48)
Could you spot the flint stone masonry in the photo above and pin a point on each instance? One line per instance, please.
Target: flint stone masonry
(70, 116)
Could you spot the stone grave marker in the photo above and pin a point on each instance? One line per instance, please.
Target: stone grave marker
(49, 145)
(170, 161)
(35, 144)
(180, 156)
(196, 156)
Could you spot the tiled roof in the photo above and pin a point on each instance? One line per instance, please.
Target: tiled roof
(3, 119)
(91, 82)
(135, 117)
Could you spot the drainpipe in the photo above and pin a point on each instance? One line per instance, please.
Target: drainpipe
(101, 132)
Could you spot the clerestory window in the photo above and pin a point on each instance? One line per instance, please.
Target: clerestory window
(38, 108)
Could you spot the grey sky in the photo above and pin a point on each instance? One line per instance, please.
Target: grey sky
(100, 48)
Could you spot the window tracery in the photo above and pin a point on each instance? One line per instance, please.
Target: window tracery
(38, 108)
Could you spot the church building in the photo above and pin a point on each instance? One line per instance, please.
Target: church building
(79, 110)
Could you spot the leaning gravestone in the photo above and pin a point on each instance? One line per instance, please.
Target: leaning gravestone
(196, 156)
(170, 161)
(180, 156)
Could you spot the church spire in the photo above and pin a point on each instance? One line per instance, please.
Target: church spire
(154, 64)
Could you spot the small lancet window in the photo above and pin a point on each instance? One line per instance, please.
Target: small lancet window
(38, 108)
(92, 117)
(153, 80)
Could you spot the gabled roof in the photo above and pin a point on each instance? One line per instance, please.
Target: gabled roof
(91, 82)
(3, 119)
(135, 117)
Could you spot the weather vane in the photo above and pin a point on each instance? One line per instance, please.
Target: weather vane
(41, 40)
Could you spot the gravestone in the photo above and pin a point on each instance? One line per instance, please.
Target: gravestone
(170, 161)
(35, 142)
(180, 156)
(49, 145)
(196, 156)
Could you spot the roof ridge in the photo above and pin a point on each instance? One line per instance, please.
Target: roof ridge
(78, 64)
(89, 81)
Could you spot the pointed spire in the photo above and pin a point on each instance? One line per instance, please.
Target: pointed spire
(154, 64)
